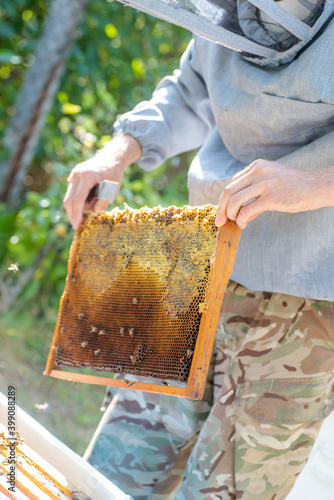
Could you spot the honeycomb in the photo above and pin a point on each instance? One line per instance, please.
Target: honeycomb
(136, 290)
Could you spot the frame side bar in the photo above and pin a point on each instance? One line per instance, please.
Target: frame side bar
(50, 363)
(221, 268)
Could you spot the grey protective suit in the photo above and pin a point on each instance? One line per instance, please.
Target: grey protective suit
(271, 378)
(237, 111)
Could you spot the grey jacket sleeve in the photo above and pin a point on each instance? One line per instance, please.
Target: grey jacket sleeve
(178, 118)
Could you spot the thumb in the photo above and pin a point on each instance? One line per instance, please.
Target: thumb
(100, 205)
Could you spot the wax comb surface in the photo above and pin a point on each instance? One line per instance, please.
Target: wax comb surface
(136, 291)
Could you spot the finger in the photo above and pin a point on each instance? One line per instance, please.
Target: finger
(254, 170)
(71, 188)
(89, 205)
(100, 205)
(243, 223)
(243, 172)
(250, 212)
(231, 189)
(242, 198)
(79, 200)
(249, 220)
(75, 202)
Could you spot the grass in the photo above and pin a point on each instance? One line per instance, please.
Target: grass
(71, 412)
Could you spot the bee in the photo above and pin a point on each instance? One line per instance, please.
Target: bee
(189, 353)
(74, 279)
(128, 262)
(13, 267)
(102, 332)
(166, 383)
(122, 332)
(202, 307)
(134, 358)
(97, 352)
(81, 315)
(62, 330)
(69, 342)
(125, 380)
(84, 343)
(132, 383)
(135, 301)
(94, 329)
(41, 406)
(132, 332)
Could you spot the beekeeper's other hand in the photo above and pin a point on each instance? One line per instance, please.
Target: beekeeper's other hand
(266, 185)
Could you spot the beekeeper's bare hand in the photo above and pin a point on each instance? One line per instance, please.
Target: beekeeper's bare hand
(266, 185)
(108, 164)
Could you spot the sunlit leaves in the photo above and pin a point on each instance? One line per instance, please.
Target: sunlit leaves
(65, 124)
(70, 109)
(62, 96)
(110, 30)
(138, 67)
(5, 72)
(27, 15)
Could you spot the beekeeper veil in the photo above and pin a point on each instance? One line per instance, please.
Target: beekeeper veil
(267, 32)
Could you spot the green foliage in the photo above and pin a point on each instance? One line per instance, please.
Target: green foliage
(118, 57)
(36, 241)
(7, 220)
(20, 25)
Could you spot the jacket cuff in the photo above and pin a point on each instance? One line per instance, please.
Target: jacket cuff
(143, 128)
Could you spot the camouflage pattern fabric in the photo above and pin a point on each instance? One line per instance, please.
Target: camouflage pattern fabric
(270, 386)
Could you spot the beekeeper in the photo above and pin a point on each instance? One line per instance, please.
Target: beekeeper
(255, 91)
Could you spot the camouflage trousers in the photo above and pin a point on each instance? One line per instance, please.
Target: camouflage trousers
(270, 385)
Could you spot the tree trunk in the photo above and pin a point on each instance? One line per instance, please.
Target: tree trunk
(38, 90)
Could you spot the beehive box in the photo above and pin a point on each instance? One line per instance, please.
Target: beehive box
(34, 478)
(44, 467)
(143, 295)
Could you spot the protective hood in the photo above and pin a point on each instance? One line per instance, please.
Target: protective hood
(267, 32)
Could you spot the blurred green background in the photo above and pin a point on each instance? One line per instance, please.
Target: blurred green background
(118, 56)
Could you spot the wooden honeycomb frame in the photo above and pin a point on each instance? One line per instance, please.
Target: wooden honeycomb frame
(221, 266)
